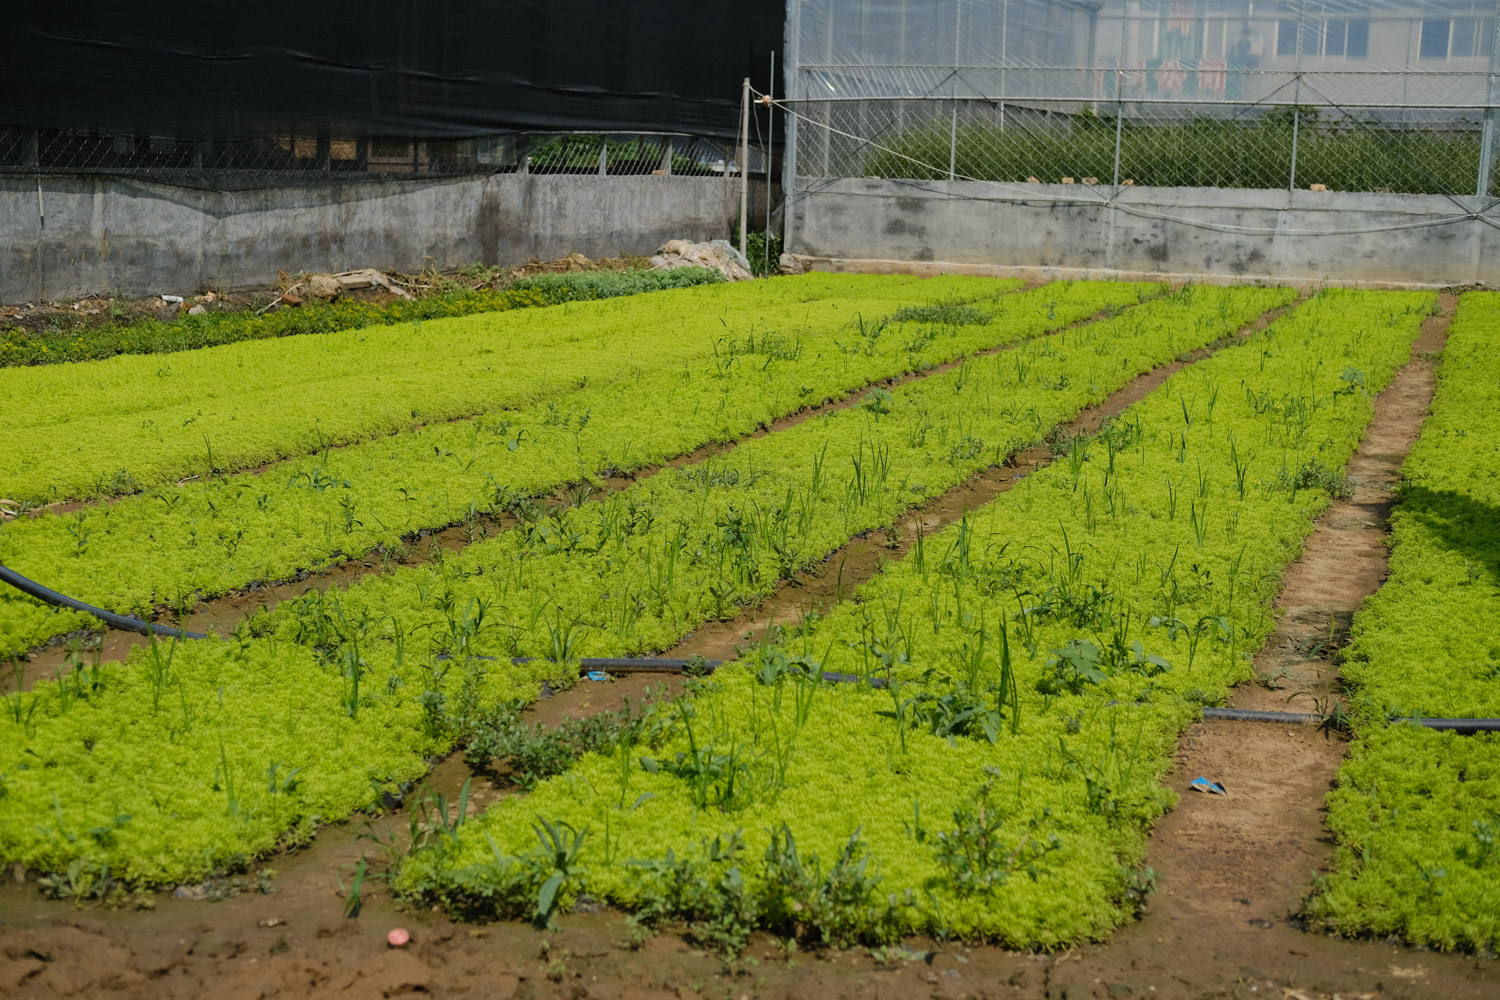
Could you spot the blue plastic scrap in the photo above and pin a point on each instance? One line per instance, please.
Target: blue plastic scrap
(598, 675)
(1201, 784)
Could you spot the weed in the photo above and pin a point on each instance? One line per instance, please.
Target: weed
(707, 892)
(1071, 669)
(943, 314)
(837, 907)
(979, 857)
(1314, 475)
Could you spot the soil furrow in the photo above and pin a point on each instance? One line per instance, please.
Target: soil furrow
(1233, 869)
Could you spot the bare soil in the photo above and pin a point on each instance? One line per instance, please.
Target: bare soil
(1223, 924)
(98, 311)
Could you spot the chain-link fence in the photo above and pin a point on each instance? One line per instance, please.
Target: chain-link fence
(309, 157)
(1351, 95)
(1167, 145)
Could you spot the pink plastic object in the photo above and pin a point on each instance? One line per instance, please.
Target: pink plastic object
(398, 937)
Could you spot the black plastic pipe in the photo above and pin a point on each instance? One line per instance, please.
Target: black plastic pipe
(1462, 726)
(837, 678)
(634, 665)
(1254, 715)
(1467, 727)
(650, 665)
(644, 665)
(49, 596)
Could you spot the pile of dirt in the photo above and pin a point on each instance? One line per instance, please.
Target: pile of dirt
(717, 254)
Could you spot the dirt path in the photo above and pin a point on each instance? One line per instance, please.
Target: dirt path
(1232, 869)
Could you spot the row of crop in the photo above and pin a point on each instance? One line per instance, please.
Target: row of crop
(211, 536)
(104, 428)
(1037, 663)
(251, 738)
(1417, 812)
(187, 333)
(650, 563)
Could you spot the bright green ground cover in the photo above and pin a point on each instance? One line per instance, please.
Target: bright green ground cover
(187, 333)
(1128, 582)
(1417, 812)
(210, 536)
(103, 428)
(198, 751)
(652, 562)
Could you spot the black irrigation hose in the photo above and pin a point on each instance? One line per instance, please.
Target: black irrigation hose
(649, 665)
(1253, 715)
(1465, 727)
(49, 596)
(643, 665)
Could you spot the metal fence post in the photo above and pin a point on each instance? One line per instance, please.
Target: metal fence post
(1297, 97)
(744, 163)
(953, 141)
(1486, 151)
(958, 19)
(1296, 122)
(770, 153)
(1487, 136)
(1119, 119)
(790, 64)
(1120, 86)
(1004, 50)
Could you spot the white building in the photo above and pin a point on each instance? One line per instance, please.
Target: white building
(1380, 54)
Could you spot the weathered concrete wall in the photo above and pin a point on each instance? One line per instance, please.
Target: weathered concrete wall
(1202, 233)
(69, 236)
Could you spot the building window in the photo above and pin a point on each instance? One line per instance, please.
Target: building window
(1286, 35)
(1179, 31)
(1462, 32)
(1454, 38)
(1328, 30)
(1345, 39)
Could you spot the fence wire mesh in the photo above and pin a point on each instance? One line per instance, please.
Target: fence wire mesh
(1168, 145)
(295, 157)
(1351, 95)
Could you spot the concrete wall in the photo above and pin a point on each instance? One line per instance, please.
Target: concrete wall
(1054, 230)
(68, 236)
